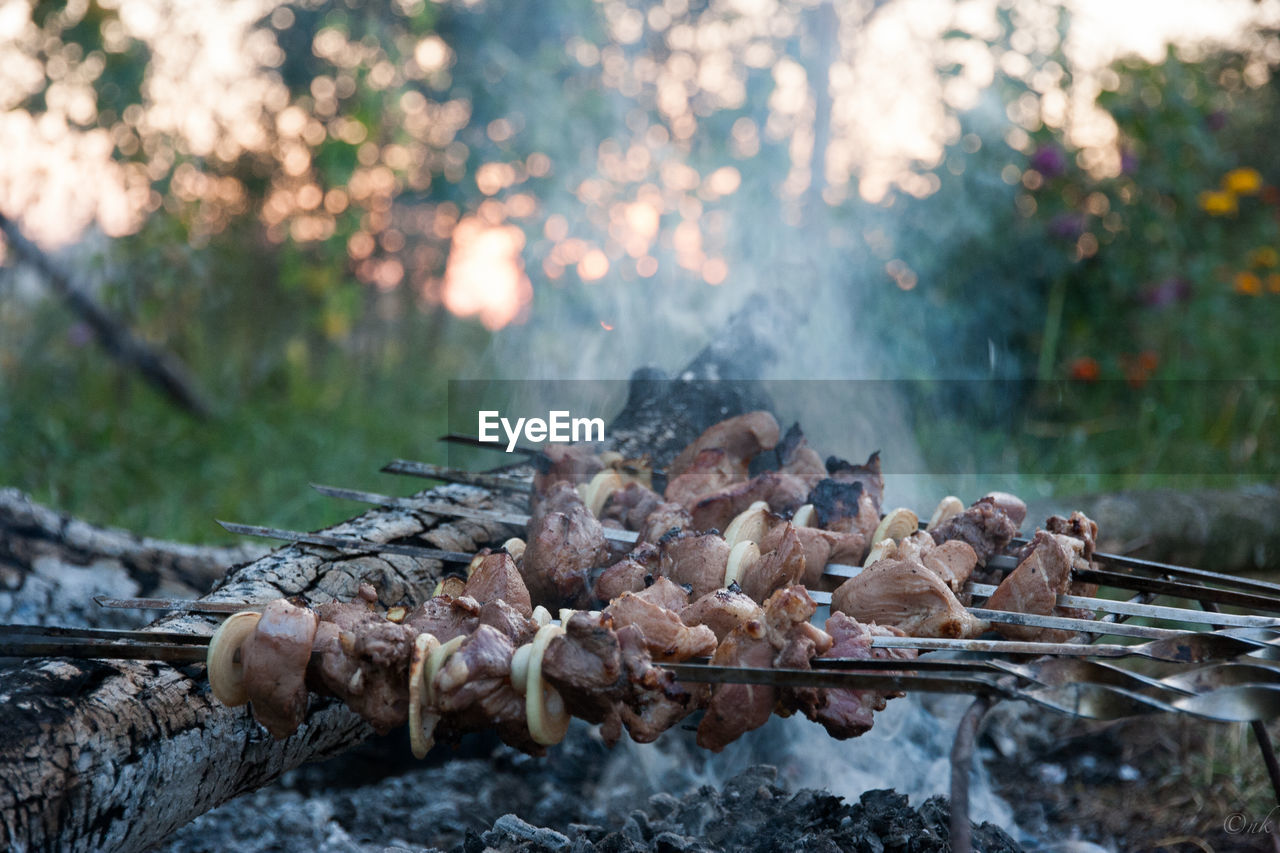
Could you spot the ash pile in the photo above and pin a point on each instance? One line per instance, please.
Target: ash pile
(582, 797)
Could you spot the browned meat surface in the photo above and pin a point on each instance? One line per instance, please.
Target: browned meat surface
(741, 438)
(443, 617)
(1078, 526)
(712, 470)
(498, 579)
(848, 713)
(585, 666)
(631, 505)
(563, 546)
(1034, 587)
(510, 622)
(365, 658)
(559, 497)
(868, 475)
(820, 548)
(783, 637)
(845, 507)
(984, 526)
(572, 463)
(275, 658)
(1012, 505)
(630, 574)
(783, 566)
(665, 518)
(905, 594)
(785, 493)
(721, 610)
(473, 691)
(655, 700)
(666, 594)
(953, 561)
(665, 636)
(695, 560)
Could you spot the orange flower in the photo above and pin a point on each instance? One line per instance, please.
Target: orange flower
(1148, 360)
(1218, 203)
(1273, 282)
(1248, 283)
(1085, 369)
(1242, 181)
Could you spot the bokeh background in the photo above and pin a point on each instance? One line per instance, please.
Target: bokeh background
(329, 209)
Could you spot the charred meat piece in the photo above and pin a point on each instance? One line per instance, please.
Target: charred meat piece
(906, 595)
(799, 459)
(848, 713)
(584, 665)
(498, 579)
(571, 463)
(443, 616)
(365, 660)
(820, 548)
(631, 505)
(564, 544)
(722, 610)
(845, 507)
(783, 566)
(741, 438)
(665, 636)
(985, 526)
(473, 691)
(655, 701)
(630, 574)
(1034, 587)
(783, 492)
(1078, 526)
(275, 658)
(695, 560)
(665, 518)
(712, 470)
(781, 637)
(868, 475)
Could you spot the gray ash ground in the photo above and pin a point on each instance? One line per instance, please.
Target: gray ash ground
(488, 797)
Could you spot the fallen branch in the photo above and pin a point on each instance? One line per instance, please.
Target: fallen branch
(116, 755)
(162, 369)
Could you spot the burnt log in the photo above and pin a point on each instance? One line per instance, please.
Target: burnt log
(116, 755)
(51, 566)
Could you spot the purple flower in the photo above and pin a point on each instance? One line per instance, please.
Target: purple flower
(1049, 161)
(1216, 120)
(1067, 226)
(1168, 292)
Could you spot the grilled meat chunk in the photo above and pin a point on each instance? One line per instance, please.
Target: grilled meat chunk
(630, 574)
(845, 507)
(510, 622)
(908, 596)
(655, 701)
(631, 505)
(848, 713)
(665, 636)
(782, 637)
(695, 560)
(664, 593)
(984, 525)
(585, 666)
(868, 475)
(1012, 506)
(722, 610)
(365, 658)
(953, 561)
(782, 566)
(783, 492)
(1078, 526)
(741, 438)
(564, 543)
(275, 658)
(473, 691)
(820, 548)
(799, 459)
(711, 471)
(498, 579)
(557, 463)
(1034, 587)
(665, 518)
(443, 616)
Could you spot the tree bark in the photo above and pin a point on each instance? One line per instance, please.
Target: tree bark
(51, 566)
(115, 755)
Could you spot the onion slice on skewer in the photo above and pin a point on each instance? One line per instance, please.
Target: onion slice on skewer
(544, 709)
(226, 674)
(897, 524)
(422, 723)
